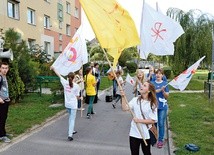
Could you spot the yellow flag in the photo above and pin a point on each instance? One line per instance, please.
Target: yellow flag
(112, 25)
(115, 53)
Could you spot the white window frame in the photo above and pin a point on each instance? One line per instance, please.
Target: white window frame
(47, 47)
(60, 24)
(31, 16)
(76, 12)
(13, 9)
(68, 29)
(47, 20)
(31, 42)
(68, 7)
(60, 47)
(60, 36)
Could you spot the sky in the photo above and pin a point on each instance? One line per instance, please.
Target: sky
(134, 7)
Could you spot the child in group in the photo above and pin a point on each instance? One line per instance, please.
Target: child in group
(90, 85)
(162, 93)
(139, 81)
(118, 92)
(144, 107)
(71, 95)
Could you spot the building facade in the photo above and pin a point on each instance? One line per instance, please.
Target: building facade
(48, 23)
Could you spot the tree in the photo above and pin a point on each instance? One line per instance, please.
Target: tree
(195, 42)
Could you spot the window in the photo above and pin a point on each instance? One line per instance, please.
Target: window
(46, 22)
(13, 9)
(60, 47)
(31, 42)
(76, 13)
(31, 16)
(60, 37)
(60, 24)
(68, 8)
(47, 47)
(68, 29)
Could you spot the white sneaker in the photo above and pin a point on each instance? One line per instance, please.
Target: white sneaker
(5, 139)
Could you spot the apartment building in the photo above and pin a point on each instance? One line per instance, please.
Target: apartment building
(48, 23)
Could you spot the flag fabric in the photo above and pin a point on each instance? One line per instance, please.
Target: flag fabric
(180, 82)
(130, 80)
(157, 33)
(74, 55)
(112, 24)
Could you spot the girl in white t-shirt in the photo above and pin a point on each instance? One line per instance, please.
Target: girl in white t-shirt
(145, 104)
(71, 95)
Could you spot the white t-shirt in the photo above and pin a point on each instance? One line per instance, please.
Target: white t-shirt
(147, 112)
(120, 79)
(70, 94)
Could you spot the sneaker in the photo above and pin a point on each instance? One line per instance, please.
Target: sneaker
(70, 139)
(114, 105)
(88, 116)
(74, 132)
(93, 113)
(5, 139)
(9, 135)
(160, 144)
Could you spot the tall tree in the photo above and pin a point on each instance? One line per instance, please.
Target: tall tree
(195, 42)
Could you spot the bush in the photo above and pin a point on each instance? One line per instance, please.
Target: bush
(167, 72)
(131, 67)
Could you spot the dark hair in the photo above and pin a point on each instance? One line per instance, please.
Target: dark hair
(96, 64)
(70, 79)
(4, 63)
(88, 69)
(159, 70)
(151, 96)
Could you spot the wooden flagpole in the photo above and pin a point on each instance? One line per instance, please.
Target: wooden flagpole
(126, 101)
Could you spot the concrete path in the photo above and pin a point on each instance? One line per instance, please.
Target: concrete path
(106, 133)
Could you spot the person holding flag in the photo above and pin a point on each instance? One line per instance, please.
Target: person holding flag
(144, 107)
(162, 93)
(71, 95)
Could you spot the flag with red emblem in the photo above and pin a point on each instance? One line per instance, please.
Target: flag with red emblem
(74, 55)
(130, 80)
(180, 82)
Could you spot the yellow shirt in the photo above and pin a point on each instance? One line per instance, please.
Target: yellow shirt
(90, 82)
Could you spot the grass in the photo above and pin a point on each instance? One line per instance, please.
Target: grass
(192, 120)
(32, 110)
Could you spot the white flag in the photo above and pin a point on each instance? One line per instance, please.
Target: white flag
(157, 33)
(74, 55)
(181, 81)
(130, 80)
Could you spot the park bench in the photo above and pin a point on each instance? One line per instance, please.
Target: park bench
(45, 80)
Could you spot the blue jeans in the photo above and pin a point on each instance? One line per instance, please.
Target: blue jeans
(90, 106)
(71, 121)
(161, 123)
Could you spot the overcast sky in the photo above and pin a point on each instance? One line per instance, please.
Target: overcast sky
(134, 7)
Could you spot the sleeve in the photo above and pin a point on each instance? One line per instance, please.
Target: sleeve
(153, 115)
(63, 81)
(77, 90)
(132, 102)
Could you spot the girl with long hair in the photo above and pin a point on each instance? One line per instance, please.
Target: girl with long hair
(71, 96)
(144, 107)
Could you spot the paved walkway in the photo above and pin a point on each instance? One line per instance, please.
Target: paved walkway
(105, 134)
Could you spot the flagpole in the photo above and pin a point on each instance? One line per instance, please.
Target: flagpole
(126, 101)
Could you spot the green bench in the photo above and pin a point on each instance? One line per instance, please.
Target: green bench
(45, 79)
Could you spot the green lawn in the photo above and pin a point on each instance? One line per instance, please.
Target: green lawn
(32, 110)
(192, 121)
